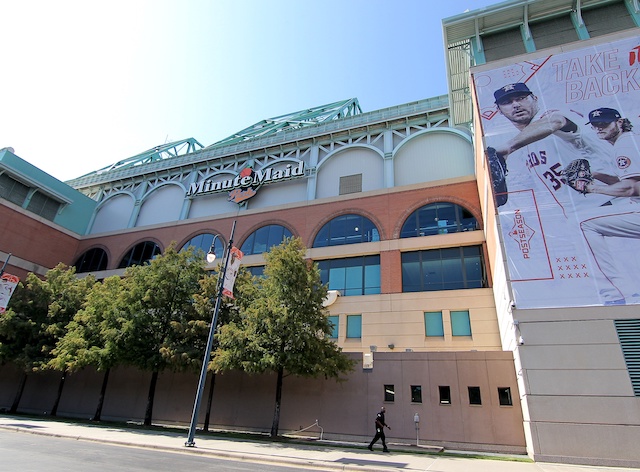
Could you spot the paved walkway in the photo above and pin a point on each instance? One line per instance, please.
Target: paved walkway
(313, 456)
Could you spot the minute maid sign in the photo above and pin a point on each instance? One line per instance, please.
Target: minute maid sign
(245, 185)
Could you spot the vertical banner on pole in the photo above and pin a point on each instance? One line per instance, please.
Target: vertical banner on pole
(231, 272)
(8, 285)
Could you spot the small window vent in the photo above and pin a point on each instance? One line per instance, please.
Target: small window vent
(350, 184)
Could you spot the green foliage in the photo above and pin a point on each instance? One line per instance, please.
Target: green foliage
(38, 314)
(158, 326)
(282, 323)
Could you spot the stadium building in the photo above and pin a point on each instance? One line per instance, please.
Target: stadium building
(449, 293)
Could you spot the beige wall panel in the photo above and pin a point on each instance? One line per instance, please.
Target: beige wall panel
(161, 206)
(279, 194)
(599, 356)
(355, 160)
(607, 443)
(211, 205)
(113, 215)
(568, 332)
(579, 382)
(585, 409)
(433, 156)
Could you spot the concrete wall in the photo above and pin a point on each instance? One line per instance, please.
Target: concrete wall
(345, 410)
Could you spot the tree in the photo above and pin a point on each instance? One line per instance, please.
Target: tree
(157, 326)
(37, 318)
(283, 327)
(91, 338)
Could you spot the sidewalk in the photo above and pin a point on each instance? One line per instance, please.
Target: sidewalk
(316, 455)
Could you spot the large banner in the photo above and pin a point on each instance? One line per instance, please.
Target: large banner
(232, 271)
(565, 165)
(8, 285)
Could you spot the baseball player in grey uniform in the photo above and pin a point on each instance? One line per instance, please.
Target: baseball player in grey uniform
(622, 218)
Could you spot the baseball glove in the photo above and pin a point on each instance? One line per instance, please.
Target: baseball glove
(577, 175)
(498, 170)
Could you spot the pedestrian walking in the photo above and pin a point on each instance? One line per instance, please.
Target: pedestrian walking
(380, 425)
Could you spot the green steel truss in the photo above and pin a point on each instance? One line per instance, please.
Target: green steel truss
(270, 126)
(157, 153)
(294, 121)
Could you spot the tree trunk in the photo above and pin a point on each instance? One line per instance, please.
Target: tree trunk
(150, 397)
(103, 390)
(276, 412)
(209, 400)
(16, 400)
(54, 408)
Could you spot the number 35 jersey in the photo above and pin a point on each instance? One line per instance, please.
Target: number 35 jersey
(538, 166)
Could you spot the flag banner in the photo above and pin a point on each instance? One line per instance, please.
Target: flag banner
(8, 285)
(232, 271)
(563, 151)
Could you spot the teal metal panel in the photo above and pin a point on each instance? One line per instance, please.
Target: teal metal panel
(77, 208)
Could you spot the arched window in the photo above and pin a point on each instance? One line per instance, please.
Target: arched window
(139, 254)
(203, 241)
(263, 239)
(438, 218)
(346, 229)
(92, 261)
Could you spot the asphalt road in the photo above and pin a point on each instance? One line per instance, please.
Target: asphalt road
(35, 453)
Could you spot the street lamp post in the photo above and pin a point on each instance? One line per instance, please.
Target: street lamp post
(207, 353)
(5, 264)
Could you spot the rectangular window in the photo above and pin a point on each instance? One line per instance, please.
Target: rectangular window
(416, 394)
(474, 396)
(433, 324)
(504, 396)
(354, 326)
(443, 269)
(460, 323)
(445, 394)
(334, 320)
(353, 275)
(389, 393)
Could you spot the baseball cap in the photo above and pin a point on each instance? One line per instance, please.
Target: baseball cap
(603, 115)
(511, 89)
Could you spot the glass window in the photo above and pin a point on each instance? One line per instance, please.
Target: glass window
(474, 396)
(139, 254)
(389, 393)
(416, 394)
(460, 323)
(354, 326)
(504, 396)
(353, 275)
(203, 242)
(438, 218)
(92, 260)
(433, 324)
(335, 321)
(346, 229)
(445, 394)
(256, 271)
(443, 269)
(263, 239)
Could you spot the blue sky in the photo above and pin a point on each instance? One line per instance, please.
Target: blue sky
(85, 84)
